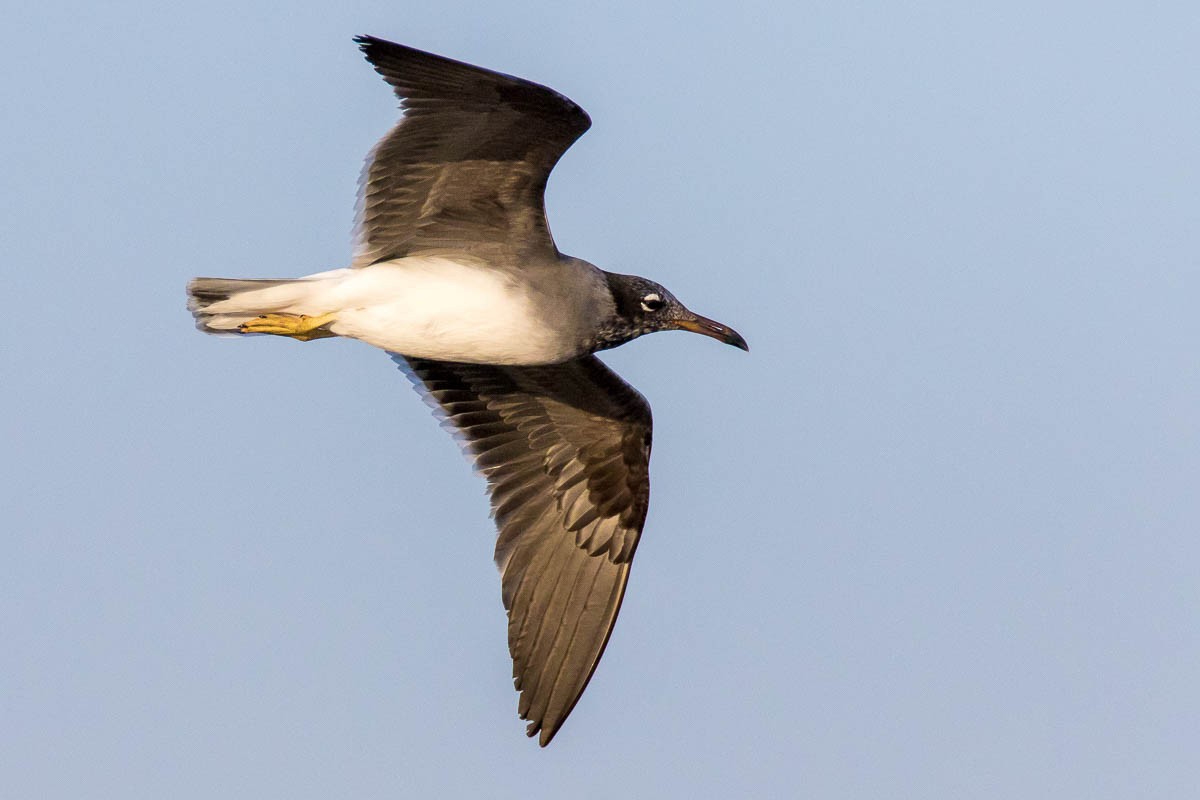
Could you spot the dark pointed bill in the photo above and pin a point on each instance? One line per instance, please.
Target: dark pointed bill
(708, 327)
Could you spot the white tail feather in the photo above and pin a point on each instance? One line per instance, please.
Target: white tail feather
(222, 305)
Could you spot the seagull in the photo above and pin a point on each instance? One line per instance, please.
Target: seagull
(456, 276)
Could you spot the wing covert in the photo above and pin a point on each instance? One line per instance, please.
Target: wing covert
(565, 450)
(465, 169)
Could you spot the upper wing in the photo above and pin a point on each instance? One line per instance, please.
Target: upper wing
(565, 450)
(465, 170)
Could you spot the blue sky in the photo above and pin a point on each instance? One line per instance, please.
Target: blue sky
(935, 535)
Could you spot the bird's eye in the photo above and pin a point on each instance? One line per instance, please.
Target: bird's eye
(652, 302)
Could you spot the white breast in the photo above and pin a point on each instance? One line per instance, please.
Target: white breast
(446, 310)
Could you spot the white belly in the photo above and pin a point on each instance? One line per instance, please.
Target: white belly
(441, 309)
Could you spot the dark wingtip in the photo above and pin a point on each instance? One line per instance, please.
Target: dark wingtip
(367, 43)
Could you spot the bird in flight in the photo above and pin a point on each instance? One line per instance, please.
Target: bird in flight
(456, 276)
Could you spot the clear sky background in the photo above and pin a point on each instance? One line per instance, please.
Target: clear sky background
(936, 535)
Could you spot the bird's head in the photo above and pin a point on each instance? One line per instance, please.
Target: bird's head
(643, 306)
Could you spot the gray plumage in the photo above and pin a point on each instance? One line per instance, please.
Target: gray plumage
(465, 170)
(565, 450)
(455, 273)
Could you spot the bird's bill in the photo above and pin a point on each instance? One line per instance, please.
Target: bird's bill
(708, 327)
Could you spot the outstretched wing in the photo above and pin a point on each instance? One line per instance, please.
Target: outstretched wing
(465, 170)
(565, 450)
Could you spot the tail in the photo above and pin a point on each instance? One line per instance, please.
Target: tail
(221, 305)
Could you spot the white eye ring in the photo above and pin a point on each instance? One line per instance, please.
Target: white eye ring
(652, 302)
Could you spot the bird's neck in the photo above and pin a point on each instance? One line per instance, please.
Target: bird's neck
(617, 326)
(612, 333)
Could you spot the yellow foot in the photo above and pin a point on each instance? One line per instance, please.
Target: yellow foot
(298, 326)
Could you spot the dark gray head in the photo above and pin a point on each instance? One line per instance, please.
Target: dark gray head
(643, 306)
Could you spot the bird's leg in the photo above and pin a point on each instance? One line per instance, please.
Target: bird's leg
(300, 327)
